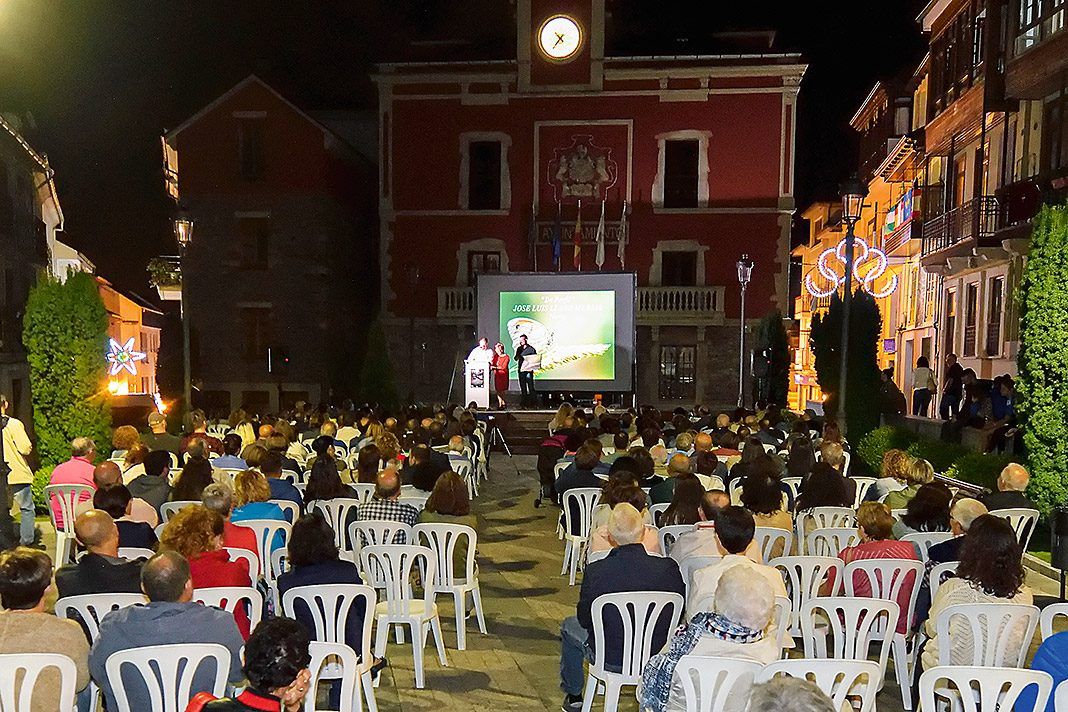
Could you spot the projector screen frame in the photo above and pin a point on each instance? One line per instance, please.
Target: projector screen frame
(488, 288)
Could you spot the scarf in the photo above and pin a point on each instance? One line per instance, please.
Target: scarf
(656, 678)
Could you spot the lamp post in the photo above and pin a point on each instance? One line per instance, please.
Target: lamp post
(745, 273)
(183, 233)
(853, 194)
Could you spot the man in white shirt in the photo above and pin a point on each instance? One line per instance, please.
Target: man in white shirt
(734, 534)
(482, 352)
(16, 447)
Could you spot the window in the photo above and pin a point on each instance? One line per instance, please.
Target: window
(677, 373)
(250, 147)
(482, 262)
(681, 159)
(678, 269)
(951, 321)
(484, 175)
(995, 306)
(253, 242)
(1037, 20)
(1055, 135)
(971, 317)
(256, 323)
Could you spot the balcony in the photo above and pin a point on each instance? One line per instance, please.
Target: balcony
(969, 223)
(657, 306)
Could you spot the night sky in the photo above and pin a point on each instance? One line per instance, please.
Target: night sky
(104, 78)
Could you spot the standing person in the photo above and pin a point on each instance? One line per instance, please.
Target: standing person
(16, 447)
(500, 373)
(482, 352)
(952, 389)
(525, 368)
(923, 386)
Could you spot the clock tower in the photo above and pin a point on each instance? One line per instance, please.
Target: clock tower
(560, 45)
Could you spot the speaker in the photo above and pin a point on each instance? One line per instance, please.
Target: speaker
(1059, 533)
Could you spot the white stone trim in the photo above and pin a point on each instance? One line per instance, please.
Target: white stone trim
(662, 246)
(466, 139)
(578, 123)
(702, 138)
(482, 244)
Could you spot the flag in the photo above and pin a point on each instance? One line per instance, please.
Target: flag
(621, 246)
(554, 238)
(599, 259)
(532, 238)
(576, 240)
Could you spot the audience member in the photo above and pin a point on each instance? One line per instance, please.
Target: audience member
(918, 473)
(271, 468)
(152, 487)
(762, 495)
(678, 464)
(1012, 484)
(893, 474)
(618, 490)
(25, 628)
(107, 474)
(751, 451)
(78, 470)
(133, 463)
(961, 515)
(252, 496)
(219, 498)
(627, 568)
(196, 475)
(199, 424)
(368, 462)
(789, 694)
(580, 474)
(157, 437)
(385, 504)
(928, 511)
(99, 570)
(687, 502)
(824, 487)
(419, 471)
(875, 525)
(116, 501)
(449, 503)
(230, 459)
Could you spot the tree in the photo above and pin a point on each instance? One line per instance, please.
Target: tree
(1043, 359)
(862, 407)
(774, 342)
(376, 377)
(65, 335)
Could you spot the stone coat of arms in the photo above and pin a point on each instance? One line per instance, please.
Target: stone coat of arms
(582, 171)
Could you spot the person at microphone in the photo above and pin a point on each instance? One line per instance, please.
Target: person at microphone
(482, 352)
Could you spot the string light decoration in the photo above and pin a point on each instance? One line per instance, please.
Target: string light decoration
(869, 265)
(123, 357)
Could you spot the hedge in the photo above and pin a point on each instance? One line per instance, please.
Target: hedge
(41, 478)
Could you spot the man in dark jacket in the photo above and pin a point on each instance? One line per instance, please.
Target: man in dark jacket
(100, 570)
(420, 471)
(627, 568)
(1012, 484)
(152, 486)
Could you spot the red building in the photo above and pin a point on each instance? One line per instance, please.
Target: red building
(700, 150)
(277, 273)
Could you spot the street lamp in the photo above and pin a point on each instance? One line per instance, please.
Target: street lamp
(183, 233)
(745, 273)
(853, 194)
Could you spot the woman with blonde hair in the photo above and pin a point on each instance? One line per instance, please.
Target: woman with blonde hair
(196, 533)
(892, 474)
(918, 472)
(390, 450)
(240, 424)
(252, 496)
(133, 464)
(565, 411)
(123, 439)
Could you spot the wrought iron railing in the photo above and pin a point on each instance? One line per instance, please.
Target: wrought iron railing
(976, 219)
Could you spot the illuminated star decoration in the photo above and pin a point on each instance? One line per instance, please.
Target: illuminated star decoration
(123, 357)
(869, 264)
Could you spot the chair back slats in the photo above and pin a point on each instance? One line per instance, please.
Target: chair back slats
(325, 658)
(336, 512)
(709, 682)
(997, 634)
(89, 609)
(838, 679)
(442, 540)
(977, 689)
(19, 674)
(397, 563)
(578, 504)
(641, 614)
(329, 607)
(167, 671)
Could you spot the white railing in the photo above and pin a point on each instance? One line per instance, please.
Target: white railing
(656, 305)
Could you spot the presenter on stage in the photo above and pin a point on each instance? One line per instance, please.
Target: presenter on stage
(526, 361)
(482, 353)
(500, 374)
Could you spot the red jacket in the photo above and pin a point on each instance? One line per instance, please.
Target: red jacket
(239, 537)
(214, 568)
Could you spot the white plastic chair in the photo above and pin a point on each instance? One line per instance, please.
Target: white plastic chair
(669, 535)
(853, 624)
(158, 665)
(939, 574)
(18, 678)
(250, 558)
(861, 484)
(838, 679)
(794, 485)
(135, 552)
(336, 512)
(1049, 615)
(167, 510)
(830, 541)
(559, 467)
(972, 689)
(326, 659)
(658, 509)
(987, 628)
(364, 491)
(92, 607)
(68, 497)
(770, 538)
(229, 598)
(592, 556)
(639, 613)
(1060, 700)
(1023, 522)
(708, 682)
(692, 563)
(804, 577)
(888, 579)
(265, 530)
(414, 498)
(820, 518)
(442, 540)
(289, 508)
(578, 504)
(396, 563)
(330, 606)
(372, 532)
(923, 541)
(782, 614)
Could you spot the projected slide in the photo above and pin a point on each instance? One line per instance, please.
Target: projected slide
(580, 324)
(574, 333)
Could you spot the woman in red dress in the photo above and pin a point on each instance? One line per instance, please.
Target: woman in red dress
(499, 364)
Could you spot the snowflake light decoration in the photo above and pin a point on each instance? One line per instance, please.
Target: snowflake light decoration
(869, 264)
(123, 357)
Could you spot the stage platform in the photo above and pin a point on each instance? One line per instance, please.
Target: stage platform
(522, 429)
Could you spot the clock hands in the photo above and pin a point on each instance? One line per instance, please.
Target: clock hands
(559, 39)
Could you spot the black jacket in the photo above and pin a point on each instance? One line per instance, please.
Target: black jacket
(422, 476)
(627, 569)
(1007, 500)
(97, 574)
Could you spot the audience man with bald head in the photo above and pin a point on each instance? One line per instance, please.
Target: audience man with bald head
(107, 474)
(385, 505)
(679, 464)
(100, 570)
(170, 617)
(1012, 485)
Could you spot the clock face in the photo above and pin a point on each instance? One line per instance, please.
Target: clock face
(560, 37)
